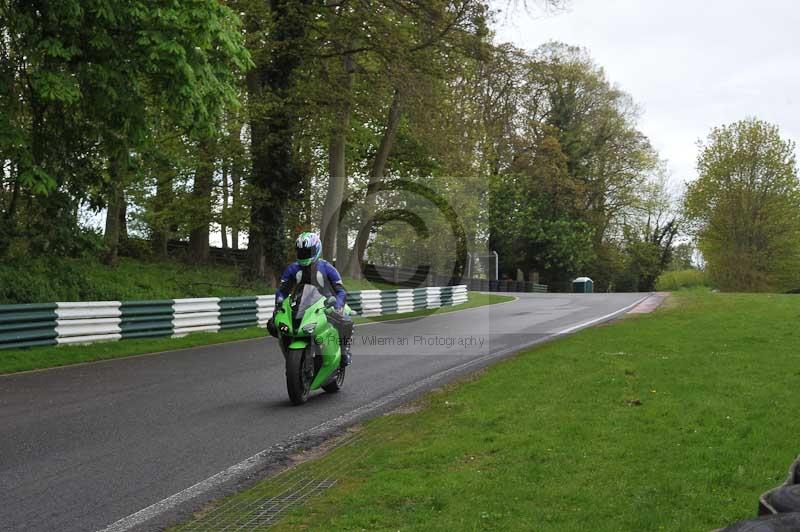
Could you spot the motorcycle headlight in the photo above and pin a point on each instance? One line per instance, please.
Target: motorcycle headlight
(309, 329)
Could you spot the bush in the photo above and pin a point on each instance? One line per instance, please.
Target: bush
(681, 279)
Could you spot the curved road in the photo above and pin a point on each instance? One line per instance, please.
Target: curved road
(84, 447)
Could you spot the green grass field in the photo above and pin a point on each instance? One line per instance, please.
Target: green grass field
(676, 420)
(15, 360)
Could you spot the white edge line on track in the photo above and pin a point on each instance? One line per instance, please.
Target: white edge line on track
(261, 458)
(600, 319)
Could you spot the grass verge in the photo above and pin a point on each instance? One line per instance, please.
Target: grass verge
(15, 360)
(58, 279)
(676, 420)
(45, 280)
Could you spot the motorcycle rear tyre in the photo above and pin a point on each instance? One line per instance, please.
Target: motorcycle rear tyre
(336, 384)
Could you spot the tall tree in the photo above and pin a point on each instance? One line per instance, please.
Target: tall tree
(424, 37)
(596, 129)
(337, 164)
(376, 175)
(118, 170)
(271, 85)
(745, 207)
(648, 236)
(202, 189)
(565, 160)
(534, 215)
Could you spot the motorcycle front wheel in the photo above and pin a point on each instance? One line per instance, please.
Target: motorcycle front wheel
(299, 374)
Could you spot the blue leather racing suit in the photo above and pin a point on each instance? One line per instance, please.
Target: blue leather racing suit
(322, 274)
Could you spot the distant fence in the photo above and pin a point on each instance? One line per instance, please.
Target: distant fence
(422, 276)
(228, 256)
(88, 322)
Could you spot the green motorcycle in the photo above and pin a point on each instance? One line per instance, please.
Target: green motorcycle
(304, 326)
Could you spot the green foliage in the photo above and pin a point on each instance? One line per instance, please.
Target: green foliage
(530, 232)
(682, 257)
(81, 82)
(567, 172)
(642, 266)
(647, 243)
(540, 156)
(745, 206)
(134, 106)
(682, 279)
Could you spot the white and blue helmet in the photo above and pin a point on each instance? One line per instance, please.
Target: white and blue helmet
(309, 248)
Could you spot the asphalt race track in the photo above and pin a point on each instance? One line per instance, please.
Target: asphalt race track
(82, 447)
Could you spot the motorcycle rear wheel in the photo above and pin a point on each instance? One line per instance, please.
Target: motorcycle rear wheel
(336, 384)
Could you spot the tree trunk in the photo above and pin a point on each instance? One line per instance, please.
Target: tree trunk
(342, 245)
(12, 204)
(375, 178)
(160, 230)
(116, 210)
(236, 181)
(199, 241)
(123, 220)
(222, 227)
(337, 165)
(8, 227)
(111, 236)
(275, 180)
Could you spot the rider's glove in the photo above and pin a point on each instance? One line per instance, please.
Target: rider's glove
(339, 310)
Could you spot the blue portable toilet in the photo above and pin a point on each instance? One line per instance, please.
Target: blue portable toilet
(583, 285)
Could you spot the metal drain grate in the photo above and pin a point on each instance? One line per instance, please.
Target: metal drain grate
(269, 512)
(267, 502)
(259, 513)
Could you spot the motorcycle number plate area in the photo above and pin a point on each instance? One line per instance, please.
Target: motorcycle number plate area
(298, 344)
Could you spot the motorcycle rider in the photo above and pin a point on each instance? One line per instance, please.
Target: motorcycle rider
(309, 268)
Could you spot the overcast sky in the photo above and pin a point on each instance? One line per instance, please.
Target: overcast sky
(690, 65)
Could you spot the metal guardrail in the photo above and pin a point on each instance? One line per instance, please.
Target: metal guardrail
(485, 285)
(88, 322)
(28, 325)
(422, 276)
(381, 302)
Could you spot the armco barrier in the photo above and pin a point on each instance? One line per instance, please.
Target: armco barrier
(88, 322)
(84, 323)
(146, 319)
(28, 325)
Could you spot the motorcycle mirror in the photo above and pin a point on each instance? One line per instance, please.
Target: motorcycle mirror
(330, 302)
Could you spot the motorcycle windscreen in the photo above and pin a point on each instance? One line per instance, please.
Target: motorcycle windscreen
(309, 296)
